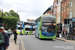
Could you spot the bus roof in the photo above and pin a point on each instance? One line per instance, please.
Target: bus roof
(29, 23)
(46, 18)
(20, 22)
(51, 16)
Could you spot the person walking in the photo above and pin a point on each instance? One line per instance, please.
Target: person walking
(9, 32)
(1, 41)
(15, 35)
(6, 38)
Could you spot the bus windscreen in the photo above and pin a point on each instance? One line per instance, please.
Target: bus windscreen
(20, 28)
(48, 24)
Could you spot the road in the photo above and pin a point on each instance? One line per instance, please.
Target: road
(32, 43)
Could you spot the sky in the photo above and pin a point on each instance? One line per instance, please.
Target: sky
(27, 9)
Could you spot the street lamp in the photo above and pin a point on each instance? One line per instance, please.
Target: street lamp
(21, 25)
(17, 12)
(2, 17)
(2, 13)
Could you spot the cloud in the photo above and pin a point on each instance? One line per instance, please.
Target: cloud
(29, 8)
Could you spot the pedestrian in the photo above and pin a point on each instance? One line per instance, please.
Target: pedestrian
(65, 33)
(1, 41)
(9, 32)
(15, 35)
(6, 38)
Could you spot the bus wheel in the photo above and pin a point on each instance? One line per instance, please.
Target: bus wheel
(51, 39)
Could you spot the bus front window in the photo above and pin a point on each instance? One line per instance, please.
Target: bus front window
(20, 28)
(48, 24)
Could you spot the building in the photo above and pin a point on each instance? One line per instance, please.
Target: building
(58, 11)
(64, 10)
(58, 15)
(72, 15)
(55, 8)
(49, 11)
(71, 8)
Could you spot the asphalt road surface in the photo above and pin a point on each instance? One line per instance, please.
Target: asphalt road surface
(32, 43)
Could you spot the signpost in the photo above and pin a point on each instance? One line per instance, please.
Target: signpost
(0, 22)
(1, 19)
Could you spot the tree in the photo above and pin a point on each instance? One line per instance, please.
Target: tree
(10, 22)
(12, 13)
(10, 19)
(0, 14)
(6, 14)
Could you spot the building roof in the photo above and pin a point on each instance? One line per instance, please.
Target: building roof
(50, 8)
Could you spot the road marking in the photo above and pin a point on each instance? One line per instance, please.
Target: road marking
(23, 48)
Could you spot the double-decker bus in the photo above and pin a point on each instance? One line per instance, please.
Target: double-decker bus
(20, 27)
(29, 27)
(45, 27)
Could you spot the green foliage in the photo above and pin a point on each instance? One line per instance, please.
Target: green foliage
(10, 22)
(12, 13)
(10, 19)
(0, 14)
(6, 14)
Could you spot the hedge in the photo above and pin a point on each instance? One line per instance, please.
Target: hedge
(10, 22)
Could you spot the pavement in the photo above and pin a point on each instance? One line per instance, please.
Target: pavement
(63, 39)
(12, 45)
(69, 41)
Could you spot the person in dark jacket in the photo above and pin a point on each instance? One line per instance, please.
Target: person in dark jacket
(15, 35)
(6, 38)
(1, 41)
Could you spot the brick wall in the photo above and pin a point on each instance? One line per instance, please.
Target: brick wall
(64, 10)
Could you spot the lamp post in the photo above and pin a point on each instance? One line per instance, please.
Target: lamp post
(2, 17)
(18, 11)
(21, 25)
(2, 13)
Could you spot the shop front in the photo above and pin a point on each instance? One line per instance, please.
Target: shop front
(72, 27)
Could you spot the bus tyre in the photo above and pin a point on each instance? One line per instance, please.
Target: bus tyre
(51, 39)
